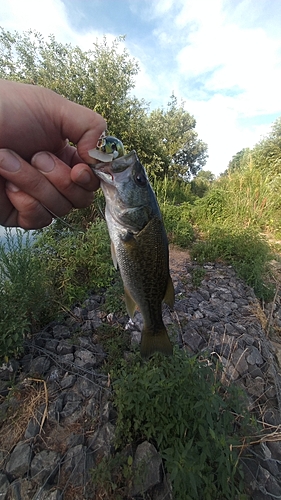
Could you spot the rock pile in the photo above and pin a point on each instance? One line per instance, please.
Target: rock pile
(70, 426)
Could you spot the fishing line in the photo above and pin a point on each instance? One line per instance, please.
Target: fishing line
(61, 220)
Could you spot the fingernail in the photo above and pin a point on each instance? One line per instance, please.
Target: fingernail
(84, 177)
(11, 187)
(9, 161)
(44, 162)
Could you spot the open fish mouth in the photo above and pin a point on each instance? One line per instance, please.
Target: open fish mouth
(106, 170)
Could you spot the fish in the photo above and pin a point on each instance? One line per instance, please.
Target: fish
(139, 246)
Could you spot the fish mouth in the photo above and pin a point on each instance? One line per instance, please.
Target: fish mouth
(103, 171)
(107, 169)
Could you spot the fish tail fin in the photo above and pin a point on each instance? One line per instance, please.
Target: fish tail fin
(152, 342)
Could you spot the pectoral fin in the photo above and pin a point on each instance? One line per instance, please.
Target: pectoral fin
(113, 255)
(170, 293)
(130, 304)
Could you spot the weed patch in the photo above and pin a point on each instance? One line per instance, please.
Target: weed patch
(176, 219)
(179, 404)
(25, 291)
(246, 250)
(115, 340)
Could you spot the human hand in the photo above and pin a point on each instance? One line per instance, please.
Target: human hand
(35, 156)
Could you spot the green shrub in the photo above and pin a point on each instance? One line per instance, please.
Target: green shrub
(246, 250)
(172, 191)
(242, 199)
(25, 291)
(176, 219)
(113, 476)
(210, 208)
(179, 404)
(77, 261)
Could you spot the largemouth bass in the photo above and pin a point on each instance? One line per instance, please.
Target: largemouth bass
(139, 246)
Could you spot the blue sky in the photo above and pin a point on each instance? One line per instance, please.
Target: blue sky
(221, 57)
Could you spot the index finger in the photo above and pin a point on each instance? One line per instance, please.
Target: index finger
(85, 137)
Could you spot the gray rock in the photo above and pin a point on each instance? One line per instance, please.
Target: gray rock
(68, 381)
(44, 466)
(91, 408)
(102, 441)
(51, 494)
(76, 465)
(67, 359)
(40, 365)
(33, 426)
(238, 359)
(254, 371)
(148, 468)
(55, 409)
(4, 485)
(275, 448)
(268, 484)
(61, 332)
(51, 345)
(22, 489)
(54, 375)
(254, 356)
(192, 339)
(19, 461)
(74, 439)
(65, 347)
(198, 315)
(212, 316)
(72, 403)
(135, 337)
(205, 294)
(85, 358)
(4, 388)
(255, 386)
(95, 319)
(8, 370)
(86, 387)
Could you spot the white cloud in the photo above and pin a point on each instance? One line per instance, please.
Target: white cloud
(217, 125)
(45, 17)
(238, 73)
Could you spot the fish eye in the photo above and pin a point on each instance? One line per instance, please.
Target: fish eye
(141, 180)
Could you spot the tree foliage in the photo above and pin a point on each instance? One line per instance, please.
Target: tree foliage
(267, 153)
(181, 152)
(202, 183)
(103, 80)
(239, 161)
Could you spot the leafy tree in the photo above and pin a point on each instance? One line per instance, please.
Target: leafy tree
(267, 153)
(103, 79)
(99, 79)
(179, 148)
(201, 184)
(239, 161)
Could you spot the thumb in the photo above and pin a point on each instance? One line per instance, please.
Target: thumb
(82, 126)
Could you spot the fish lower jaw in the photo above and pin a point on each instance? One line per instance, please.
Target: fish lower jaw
(104, 176)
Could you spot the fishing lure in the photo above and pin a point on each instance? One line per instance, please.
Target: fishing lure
(108, 148)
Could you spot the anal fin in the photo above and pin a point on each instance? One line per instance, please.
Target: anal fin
(170, 293)
(113, 255)
(130, 304)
